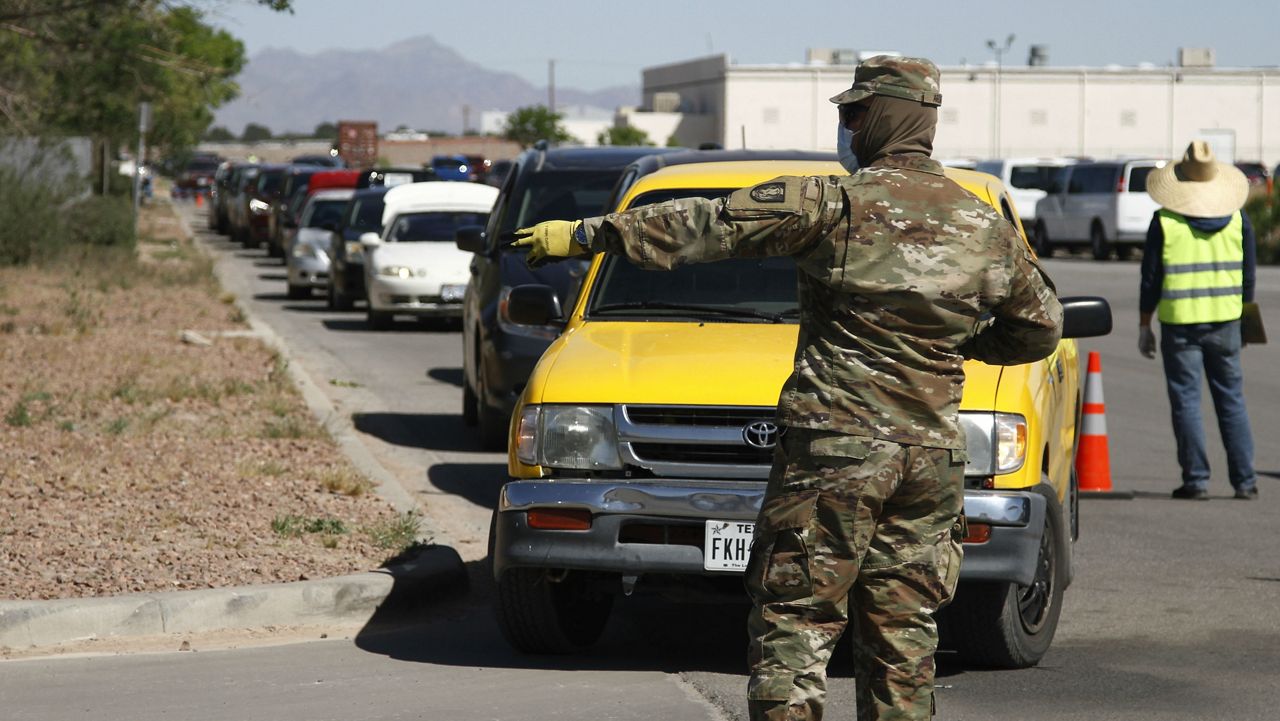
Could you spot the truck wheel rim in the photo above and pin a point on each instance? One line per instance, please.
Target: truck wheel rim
(1036, 600)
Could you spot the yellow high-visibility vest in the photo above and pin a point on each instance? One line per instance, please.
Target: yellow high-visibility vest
(1203, 272)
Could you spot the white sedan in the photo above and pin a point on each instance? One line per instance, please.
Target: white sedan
(307, 254)
(414, 267)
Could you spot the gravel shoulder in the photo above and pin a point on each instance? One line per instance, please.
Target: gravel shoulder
(149, 442)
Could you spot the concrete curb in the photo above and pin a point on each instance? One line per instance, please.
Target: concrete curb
(341, 600)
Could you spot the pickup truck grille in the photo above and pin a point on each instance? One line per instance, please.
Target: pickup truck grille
(697, 415)
(693, 441)
(744, 455)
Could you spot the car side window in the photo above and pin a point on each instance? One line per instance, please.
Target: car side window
(503, 206)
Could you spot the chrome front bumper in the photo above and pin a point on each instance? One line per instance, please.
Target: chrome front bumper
(1017, 521)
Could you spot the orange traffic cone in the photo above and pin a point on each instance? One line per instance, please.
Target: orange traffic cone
(199, 199)
(1093, 459)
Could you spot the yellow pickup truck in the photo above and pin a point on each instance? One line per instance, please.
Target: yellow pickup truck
(640, 447)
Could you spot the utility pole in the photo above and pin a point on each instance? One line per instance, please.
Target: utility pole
(144, 121)
(551, 85)
(999, 50)
(466, 119)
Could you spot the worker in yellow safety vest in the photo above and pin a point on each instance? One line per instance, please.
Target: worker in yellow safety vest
(1197, 273)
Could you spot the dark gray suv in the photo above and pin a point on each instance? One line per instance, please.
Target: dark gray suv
(498, 355)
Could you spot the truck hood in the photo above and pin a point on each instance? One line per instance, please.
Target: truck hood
(738, 364)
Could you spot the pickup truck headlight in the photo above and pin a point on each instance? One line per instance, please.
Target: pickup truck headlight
(258, 207)
(568, 437)
(997, 442)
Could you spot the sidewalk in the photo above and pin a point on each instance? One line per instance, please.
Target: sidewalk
(351, 599)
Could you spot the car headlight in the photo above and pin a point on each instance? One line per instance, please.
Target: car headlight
(396, 271)
(997, 442)
(452, 293)
(259, 207)
(355, 251)
(569, 437)
(511, 327)
(307, 250)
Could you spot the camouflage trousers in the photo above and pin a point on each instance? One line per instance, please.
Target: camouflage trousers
(860, 527)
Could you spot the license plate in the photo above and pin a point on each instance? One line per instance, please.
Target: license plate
(452, 293)
(726, 545)
(391, 180)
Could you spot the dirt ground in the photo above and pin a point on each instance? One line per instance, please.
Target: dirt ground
(149, 443)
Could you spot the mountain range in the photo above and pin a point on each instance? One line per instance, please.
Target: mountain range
(418, 83)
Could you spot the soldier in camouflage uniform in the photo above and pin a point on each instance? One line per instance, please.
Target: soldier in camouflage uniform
(902, 275)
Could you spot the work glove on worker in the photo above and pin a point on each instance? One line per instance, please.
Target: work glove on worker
(1146, 341)
(552, 240)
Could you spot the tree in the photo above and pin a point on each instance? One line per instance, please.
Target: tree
(218, 134)
(325, 130)
(254, 133)
(530, 124)
(623, 135)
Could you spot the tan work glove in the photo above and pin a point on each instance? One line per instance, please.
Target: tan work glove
(550, 240)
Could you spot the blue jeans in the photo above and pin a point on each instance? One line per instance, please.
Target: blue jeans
(1215, 347)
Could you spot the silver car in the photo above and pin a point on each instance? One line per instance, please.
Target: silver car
(307, 252)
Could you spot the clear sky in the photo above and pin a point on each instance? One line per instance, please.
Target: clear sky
(602, 43)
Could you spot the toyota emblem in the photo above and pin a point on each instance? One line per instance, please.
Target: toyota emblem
(761, 434)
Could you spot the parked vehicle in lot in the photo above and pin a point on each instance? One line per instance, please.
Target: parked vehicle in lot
(1028, 180)
(498, 172)
(640, 447)
(1101, 204)
(324, 161)
(308, 261)
(1258, 175)
(498, 355)
(413, 266)
(346, 255)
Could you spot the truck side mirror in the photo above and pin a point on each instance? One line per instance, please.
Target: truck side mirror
(370, 239)
(1085, 317)
(470, 238)
(533, 305)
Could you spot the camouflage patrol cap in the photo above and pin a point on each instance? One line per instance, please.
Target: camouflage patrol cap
(897, 77)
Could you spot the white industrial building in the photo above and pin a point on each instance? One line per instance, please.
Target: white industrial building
(987, 111)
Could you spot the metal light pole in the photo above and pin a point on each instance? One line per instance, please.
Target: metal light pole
(144, 121)
(999, 50)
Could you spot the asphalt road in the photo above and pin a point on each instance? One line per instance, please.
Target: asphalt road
(1174, 613)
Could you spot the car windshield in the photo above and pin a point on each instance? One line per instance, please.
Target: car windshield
(320, 213)
(270, 182)
(365, 213)
(558, 195)
(434, 226)
(202, 166)
(736, 290)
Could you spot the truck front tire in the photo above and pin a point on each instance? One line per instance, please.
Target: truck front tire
(1007, 625)
(545, 611)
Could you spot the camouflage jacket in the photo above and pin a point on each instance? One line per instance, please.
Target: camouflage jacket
(902, 275)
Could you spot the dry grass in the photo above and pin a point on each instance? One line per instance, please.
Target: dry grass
(131, 461)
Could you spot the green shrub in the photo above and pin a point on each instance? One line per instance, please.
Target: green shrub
(1264, 214)
(101, 221)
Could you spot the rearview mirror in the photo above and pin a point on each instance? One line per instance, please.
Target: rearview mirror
(533, 305)
(470, 238)
(1085, 317)
(370, 239)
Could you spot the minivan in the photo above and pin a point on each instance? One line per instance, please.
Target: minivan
(1103, 205)
(1028, 180)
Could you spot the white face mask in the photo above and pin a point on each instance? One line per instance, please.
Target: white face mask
(844, 147)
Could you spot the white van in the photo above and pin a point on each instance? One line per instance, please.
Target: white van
(1104, 205)
(1028, 180)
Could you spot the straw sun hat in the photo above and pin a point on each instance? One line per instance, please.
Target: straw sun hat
(1198, 186)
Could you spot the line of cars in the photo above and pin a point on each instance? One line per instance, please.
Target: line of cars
(381, 235)
(637, 409)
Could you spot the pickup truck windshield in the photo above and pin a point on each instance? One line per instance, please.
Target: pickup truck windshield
(737, 290)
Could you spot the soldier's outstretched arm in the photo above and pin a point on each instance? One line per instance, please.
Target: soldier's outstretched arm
(1027, 324)
(781, 217)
